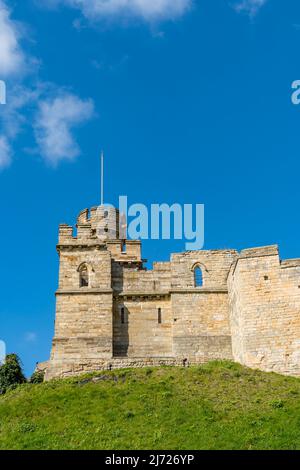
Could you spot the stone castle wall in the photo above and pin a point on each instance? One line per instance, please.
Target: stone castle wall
(265, 311)
(248, 308)
(141, 335)
(201, 329)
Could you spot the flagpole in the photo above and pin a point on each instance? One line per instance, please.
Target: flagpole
(102, 178)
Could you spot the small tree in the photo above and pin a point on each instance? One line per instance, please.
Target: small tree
(11, 373)
(37, 377)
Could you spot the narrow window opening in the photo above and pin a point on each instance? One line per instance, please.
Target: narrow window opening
(198, 277)
(83, 277)
(105, 214)
(266, 278)
(122, 315)
(159, 317)
(123, 246)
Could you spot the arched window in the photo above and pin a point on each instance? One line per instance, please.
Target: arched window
(198, 276)
(83, 276)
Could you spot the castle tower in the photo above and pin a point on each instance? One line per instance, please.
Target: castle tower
(83, 336)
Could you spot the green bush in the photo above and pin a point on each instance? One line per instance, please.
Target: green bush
(37, 377)
(11, 373)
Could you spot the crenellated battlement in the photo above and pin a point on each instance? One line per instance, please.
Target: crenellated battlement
(65, 233)
(99, 222)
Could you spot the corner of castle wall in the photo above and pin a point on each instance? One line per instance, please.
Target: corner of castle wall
(264, 301)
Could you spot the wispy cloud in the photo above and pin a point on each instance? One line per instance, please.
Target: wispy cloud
(5, 152)
(2, 352)
(110, 66)
(146, 10)
(56, 111)
(13, 67)
(12, 115)
(54, 122)
(11, 55)
(251, 7)
(30, 337)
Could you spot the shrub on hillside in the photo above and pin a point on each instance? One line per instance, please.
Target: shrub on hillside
(37, 377)
(11, 373)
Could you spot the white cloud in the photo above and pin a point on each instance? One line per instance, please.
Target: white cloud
(5, 152)
(148, 10)
(13, 119)
(13, 65)
(54, 122)
(55, 116)
(2, 352)
(250, 7)
(11, 54)
(12, 116)
(52, 112)
(30, 337)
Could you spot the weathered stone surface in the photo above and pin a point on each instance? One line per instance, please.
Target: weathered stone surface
(248, 308)
(264, 311)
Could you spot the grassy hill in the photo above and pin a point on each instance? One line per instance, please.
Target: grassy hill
(220, 405)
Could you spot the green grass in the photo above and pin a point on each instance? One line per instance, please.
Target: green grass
(220, 405)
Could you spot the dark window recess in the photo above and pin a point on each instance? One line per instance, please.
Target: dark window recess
(198, 277)
(159, 318)
(84, 277)
(122, 315)
(266, 278)
(106, 229)
(105, 214)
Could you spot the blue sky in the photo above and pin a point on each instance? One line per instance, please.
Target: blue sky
(191, 101)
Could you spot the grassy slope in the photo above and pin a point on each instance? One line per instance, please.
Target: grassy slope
(217, 406)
